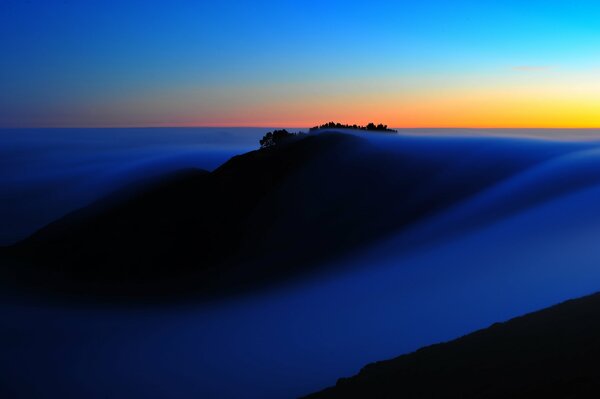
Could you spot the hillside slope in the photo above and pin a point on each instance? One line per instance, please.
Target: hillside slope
(264, 216)
(552, 353)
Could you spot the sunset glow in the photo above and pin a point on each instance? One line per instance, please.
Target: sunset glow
(300, 63)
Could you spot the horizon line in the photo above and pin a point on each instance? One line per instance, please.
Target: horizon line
(276, 126)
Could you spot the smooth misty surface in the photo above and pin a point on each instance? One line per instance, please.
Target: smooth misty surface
(45, 173)
(272, 214)
(525, 242)
(552, 353)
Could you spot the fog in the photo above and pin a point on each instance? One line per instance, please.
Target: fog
(526, 242)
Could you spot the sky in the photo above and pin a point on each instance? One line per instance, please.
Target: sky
(299, 63)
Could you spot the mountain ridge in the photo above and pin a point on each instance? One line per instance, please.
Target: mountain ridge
(262, 217)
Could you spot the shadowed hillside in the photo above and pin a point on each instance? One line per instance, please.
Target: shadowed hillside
(261, 217)
(552, 353)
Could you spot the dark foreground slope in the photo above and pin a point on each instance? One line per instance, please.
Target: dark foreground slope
(552, 353)
(261, 217)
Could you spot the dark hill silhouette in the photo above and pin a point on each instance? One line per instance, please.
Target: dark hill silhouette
(552, 353)
(261, 217)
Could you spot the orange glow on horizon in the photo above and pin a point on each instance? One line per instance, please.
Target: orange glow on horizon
(546, 101)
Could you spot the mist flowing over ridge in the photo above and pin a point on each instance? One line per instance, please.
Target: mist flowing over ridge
(301, 203)
(511, 229)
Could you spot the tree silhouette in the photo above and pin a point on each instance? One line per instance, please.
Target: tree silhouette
(370, 127)
(275, 137)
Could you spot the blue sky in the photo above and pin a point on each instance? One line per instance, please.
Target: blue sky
(135, 63)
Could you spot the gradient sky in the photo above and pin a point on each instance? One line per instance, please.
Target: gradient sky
(299, 63)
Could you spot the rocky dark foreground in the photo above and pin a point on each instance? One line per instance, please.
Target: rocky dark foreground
(552, 353)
